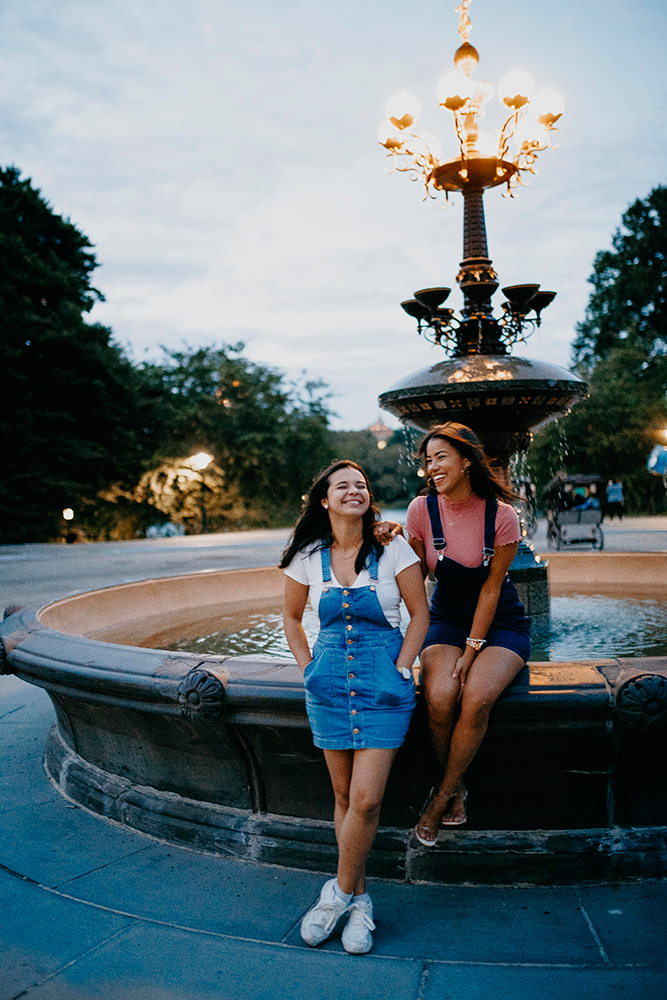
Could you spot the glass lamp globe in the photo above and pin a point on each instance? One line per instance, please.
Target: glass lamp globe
(403, 110)
(433, 144)
(547, 106)
(529, 130)
(389, 136)
(454, 90)
(516, 89)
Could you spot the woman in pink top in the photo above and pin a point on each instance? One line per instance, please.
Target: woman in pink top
(466, 533)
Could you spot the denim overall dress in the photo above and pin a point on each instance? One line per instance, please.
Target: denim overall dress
(355, 697)
(457, 592)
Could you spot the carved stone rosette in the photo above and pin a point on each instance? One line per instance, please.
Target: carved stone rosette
(643, 699)
(202, 696)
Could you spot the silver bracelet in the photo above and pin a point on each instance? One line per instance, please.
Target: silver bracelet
(475, 644)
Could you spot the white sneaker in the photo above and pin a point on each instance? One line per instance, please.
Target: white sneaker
(357, 938)
(319, 922)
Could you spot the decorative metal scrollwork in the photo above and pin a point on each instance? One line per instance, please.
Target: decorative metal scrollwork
(643, 699)
(201, 696)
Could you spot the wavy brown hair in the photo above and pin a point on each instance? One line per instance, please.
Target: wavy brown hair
(483, 480)
(314, 526)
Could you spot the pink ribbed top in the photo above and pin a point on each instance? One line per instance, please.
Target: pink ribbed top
(463, 527)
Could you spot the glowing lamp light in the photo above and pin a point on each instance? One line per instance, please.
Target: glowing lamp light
(516, 89)
(484, 91)
(454, 90)
(421, 473)
(547, 106)
(486, 144)
(201, 460)
(432, 143)
(403, 110)
(529, 130)
(389, 136)
(382, 445)
(68, 513)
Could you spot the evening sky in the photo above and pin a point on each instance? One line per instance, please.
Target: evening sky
(223, 159)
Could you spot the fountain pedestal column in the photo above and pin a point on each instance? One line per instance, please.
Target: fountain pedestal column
(503, 399)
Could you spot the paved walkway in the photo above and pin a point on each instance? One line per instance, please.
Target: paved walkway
(89, 910)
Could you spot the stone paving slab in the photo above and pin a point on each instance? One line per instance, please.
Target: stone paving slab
(493, 983)
(479, 924)
(147, 962)
(42, 932)
(631, 920)
(201, 891)
(53, 841)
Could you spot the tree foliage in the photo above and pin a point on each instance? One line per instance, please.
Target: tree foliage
(628, 305)
(76, 414)
(621, 349)
(612, 432)
(268, 437)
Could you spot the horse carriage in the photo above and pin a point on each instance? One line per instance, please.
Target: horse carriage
(574, 511)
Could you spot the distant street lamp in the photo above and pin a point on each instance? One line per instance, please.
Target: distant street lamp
(381, 433)
(68, 514)
(201, 461)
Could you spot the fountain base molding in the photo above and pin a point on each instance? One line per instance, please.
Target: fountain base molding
(215, 753)
(462, 855)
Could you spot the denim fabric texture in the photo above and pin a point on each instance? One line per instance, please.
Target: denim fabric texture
(355, 697)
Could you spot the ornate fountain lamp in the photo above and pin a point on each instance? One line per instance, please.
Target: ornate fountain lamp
(502, 398)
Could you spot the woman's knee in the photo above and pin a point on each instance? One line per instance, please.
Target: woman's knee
(366, 802)
(441, 692)
(342, 797)
(476, 707)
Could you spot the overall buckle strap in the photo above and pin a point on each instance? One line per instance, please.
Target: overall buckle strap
(326, 564)
(490, 513)
(433, 507)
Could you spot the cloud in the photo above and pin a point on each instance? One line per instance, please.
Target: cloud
(223, 161)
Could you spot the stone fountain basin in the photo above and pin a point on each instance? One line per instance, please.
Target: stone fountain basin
(215, 752)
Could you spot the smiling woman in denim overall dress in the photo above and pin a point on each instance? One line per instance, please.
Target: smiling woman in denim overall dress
(466, 533)
(360, 690)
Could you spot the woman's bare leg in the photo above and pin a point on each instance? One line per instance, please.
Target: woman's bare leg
(442, 700)
(442, 695)
(492, 671)
(359, 812)
(339, 763)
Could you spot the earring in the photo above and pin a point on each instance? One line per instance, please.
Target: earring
(326, 506)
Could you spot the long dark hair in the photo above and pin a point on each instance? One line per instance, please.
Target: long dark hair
(483, 480)
(314, 525)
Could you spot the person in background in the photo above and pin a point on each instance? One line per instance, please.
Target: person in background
(615, 499)
(360, 689)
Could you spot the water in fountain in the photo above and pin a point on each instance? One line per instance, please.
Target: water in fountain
(583, 626)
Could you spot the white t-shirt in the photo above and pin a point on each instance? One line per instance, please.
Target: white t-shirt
(306, 568)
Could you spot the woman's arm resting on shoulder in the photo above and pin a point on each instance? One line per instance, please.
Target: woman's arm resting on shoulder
(386, 530)
(296, 595)
(418, 547)
(411, 585)
(486, 605)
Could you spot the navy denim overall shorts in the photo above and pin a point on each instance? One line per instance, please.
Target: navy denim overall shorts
(457, 591)
(355, 697)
